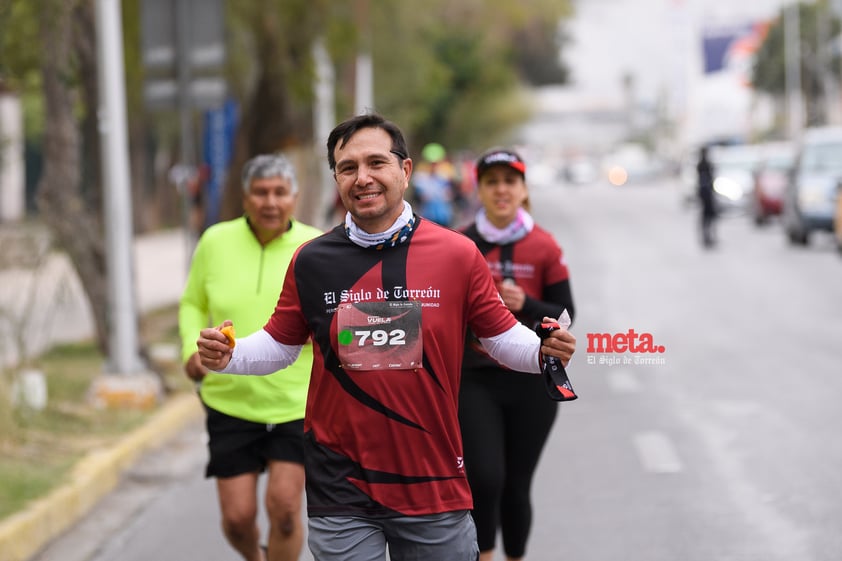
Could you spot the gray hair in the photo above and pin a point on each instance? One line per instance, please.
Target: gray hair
(269, 165)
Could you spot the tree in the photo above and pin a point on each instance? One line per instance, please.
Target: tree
(769, 70)
(270, 41)
(52, 59)
(76, 227)
(537, 53)
(446, 71)
(454, 71)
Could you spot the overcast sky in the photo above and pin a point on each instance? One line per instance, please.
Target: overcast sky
(656, 41)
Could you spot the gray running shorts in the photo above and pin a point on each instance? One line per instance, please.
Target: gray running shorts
(447, 536)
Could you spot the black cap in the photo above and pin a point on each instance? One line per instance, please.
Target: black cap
(500, 156)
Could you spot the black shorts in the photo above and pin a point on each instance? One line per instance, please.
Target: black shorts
(237, 446)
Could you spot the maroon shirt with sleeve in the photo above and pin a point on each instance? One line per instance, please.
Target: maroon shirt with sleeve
(385, 441)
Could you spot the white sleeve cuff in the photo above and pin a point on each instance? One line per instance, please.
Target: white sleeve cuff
(259, 354)
(516, 348)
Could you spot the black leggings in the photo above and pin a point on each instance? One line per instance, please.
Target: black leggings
(506, 418)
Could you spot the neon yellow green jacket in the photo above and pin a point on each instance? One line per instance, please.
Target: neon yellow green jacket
(233, 277)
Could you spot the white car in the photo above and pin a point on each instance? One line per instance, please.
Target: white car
(810, 199)
(734, 168)
(733, 181)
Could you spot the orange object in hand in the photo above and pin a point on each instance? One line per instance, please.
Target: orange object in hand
(228, 331)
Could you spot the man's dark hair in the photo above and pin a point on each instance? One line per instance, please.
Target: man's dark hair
(346, 129)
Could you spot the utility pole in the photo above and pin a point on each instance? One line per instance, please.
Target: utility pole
(792, 77)
(823, 17)
(124, 358)
(364, 83)
(185, 117)
(835, 48)
(324, 118)
(116, 192)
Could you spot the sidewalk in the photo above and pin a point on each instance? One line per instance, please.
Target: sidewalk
(60, 313)
(161, 261)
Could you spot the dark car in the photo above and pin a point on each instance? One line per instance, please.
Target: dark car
(810, 199)
(837, 223)
(770, 179)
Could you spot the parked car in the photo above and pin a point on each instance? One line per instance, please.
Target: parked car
(734, 166)
(837, 220)
(810, 199)
(770, 179)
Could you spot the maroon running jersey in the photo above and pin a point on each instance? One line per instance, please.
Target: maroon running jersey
(536, 263)
(388, 329)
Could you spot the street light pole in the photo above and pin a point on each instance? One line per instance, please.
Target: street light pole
(185, 116)
(324, 117)
(127, 383)
(364, 83)
(792, 76)
(123, 342)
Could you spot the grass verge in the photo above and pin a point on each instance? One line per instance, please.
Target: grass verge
(39, 449)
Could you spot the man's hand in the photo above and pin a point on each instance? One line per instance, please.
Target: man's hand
(214, 351)
(194, 368)
(560, 343)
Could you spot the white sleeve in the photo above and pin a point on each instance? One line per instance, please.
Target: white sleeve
(259, 354)
(516, 348)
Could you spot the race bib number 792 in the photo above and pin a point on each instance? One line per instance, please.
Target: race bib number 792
(380, 335)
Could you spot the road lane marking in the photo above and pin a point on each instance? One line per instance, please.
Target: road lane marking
(657, 453)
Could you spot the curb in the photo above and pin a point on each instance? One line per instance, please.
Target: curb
(23, 534)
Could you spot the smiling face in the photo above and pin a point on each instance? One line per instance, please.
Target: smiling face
(269, 204)
(502, 191)
(371, 179)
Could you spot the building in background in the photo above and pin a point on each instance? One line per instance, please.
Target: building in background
(688, 61)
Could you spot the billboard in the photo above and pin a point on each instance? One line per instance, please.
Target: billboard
(732, 47)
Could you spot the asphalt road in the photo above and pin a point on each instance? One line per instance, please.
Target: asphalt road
(722, 447)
